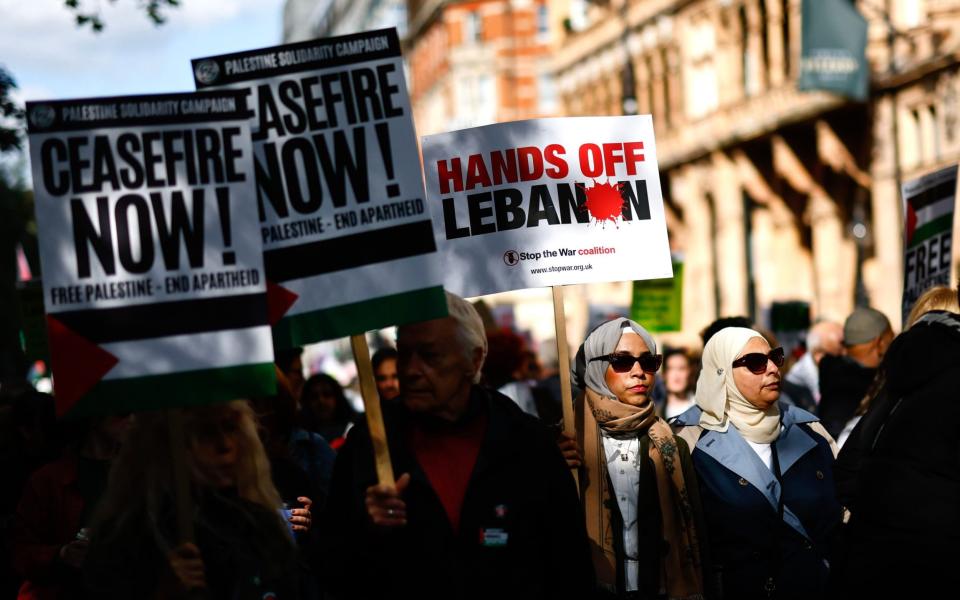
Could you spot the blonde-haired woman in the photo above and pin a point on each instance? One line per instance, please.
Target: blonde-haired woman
(936, 298)
(764, 472)
(242, 547)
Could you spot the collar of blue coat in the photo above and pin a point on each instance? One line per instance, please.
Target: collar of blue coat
(734, 453)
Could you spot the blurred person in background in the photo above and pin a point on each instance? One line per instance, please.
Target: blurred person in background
(290, 363)
(504, 369)
(935, 298)
(845, 379)
(824, 338)
(324, 409)
(384, 363)
(29, 439)
(50, 534)
(764, 470)
(678, 382)
(241, 548)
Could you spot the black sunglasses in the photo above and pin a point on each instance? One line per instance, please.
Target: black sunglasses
(621, 363)
(757, 361)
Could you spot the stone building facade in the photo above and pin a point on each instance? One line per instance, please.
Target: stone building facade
(773, 194)
(477, 62)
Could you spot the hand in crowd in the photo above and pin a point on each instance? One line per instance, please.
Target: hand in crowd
(384, 504)
(301, 518)
(570, 450)
(72, 554)
(187, 566)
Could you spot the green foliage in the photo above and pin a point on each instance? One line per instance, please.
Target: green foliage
(154, 9)
(11, 115)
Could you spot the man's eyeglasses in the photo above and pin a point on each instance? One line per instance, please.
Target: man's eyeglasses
(621, 363)
(757, 361)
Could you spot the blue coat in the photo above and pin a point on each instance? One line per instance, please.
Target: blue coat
(768, 538)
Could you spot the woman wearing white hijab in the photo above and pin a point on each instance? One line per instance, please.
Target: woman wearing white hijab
(650, 498)
(765, 474)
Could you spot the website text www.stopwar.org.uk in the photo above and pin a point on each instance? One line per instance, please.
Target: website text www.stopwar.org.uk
(561, 269)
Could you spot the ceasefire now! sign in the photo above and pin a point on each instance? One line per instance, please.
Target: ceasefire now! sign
(153, 277)
(347, 238)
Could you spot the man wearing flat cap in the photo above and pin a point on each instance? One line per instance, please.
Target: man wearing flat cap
(844, 380)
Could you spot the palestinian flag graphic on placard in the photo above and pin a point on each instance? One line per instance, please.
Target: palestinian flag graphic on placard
(152, 356)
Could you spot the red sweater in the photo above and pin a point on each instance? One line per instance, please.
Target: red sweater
(447, 456)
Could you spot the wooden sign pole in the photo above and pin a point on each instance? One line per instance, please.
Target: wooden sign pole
(371, 403)
(563, 358)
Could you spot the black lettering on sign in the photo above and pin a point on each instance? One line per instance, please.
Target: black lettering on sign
(156, 159)
(126, 234)
(290, 176)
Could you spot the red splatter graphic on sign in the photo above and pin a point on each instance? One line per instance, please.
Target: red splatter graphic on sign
(604, 202)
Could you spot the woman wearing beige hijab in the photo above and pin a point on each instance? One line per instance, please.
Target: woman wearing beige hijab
(765, 474)
(649, 501)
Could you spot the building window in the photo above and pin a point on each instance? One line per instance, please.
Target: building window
(543, 21)
(473, 27)
(909, 13)
(547, 94)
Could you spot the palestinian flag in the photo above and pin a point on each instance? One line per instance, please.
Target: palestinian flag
(346, 269)
(152, 356)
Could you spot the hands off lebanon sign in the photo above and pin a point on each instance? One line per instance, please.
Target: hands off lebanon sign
(152, 267)
(547, 202)
(348, 244)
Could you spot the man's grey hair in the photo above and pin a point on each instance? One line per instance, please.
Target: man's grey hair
(470, 331)
(814, 340)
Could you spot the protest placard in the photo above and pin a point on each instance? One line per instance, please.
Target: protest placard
(658, 303)
(547, 202)
(347, 237)
(928, 236)
(152, 265)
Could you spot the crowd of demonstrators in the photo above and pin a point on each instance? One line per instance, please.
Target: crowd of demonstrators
(651, 494)
(739, 496)
(484, 505)
(324, 409)
(384, 363)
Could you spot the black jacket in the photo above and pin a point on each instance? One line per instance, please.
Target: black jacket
(843, 384)
(520, 484)
(900, 469)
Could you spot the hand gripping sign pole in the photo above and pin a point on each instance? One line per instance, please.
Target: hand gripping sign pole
(371, 403)
(563, 357)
